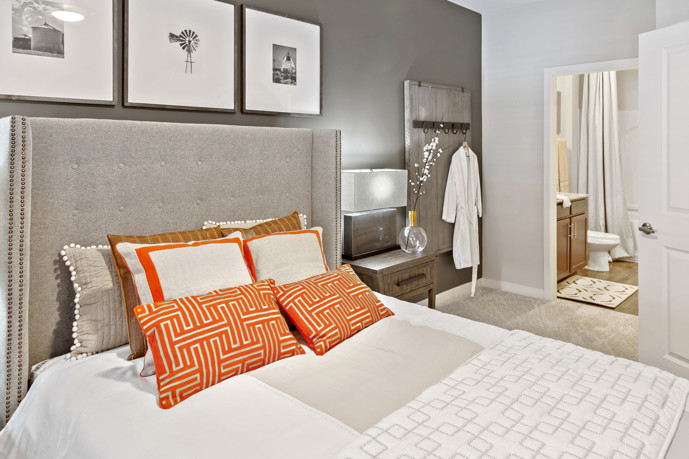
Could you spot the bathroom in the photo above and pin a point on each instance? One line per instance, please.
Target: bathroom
(597, 147)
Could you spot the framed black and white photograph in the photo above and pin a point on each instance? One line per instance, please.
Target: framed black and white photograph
(282, 65)
(181, 54)
(58, 51)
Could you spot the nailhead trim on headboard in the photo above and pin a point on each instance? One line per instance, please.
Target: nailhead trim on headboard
(16, 254)
(338, 202)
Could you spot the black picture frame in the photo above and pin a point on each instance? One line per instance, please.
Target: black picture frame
(267, 86)
(217, 90)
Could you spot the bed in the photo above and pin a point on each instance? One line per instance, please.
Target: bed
(417, 382)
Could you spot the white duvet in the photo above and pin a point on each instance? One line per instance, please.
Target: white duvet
(530, 396)
(100, 407)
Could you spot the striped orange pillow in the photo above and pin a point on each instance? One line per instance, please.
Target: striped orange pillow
(291, 222)
(329, 308)
(198, 341)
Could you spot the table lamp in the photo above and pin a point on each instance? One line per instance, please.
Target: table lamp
(369, 219)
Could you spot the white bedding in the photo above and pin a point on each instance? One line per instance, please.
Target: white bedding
(101, 407)
(530, 396)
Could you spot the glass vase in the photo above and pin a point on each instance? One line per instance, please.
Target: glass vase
(412, 238)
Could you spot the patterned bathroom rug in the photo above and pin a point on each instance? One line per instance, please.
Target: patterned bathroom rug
(596, 291)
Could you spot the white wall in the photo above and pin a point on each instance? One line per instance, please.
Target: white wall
(670, 12)
(628, 123)
(518, 45)
(568, 87)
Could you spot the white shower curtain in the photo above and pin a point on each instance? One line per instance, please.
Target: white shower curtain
(600, 166)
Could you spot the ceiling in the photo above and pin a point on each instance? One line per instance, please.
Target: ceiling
(491, 6)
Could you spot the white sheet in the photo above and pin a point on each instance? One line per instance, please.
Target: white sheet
(101, 407)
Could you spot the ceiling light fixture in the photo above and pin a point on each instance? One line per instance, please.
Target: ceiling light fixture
(68, 16)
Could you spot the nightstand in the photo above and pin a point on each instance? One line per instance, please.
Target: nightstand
(399, 274)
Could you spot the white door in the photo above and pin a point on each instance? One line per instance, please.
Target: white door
(664, 198)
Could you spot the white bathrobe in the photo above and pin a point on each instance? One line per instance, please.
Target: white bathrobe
(462, 207)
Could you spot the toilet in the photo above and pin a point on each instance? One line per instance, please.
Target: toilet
(599, 246)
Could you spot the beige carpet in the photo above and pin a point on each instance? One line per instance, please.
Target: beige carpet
(599, 329)
(596, 291)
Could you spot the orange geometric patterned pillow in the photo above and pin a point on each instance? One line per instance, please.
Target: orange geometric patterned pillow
(329, 308)
(198, 341)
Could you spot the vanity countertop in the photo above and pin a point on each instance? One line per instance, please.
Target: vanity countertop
(572, 196)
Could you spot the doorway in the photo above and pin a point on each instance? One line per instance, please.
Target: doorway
(566, 89)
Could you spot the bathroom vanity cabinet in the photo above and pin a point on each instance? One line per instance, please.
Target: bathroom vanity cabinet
(572, 225)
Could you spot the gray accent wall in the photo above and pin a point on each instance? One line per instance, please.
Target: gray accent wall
(369, 48)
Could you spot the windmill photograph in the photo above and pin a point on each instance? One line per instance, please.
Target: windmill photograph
(35, 30)
(188, 41)
(180, 54)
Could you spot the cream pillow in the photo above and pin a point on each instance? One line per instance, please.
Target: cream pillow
(286, 257)
(175, 270)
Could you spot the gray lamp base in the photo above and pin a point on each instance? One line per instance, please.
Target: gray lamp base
(369, 232)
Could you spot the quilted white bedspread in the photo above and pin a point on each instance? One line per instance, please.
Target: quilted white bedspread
(530, 396)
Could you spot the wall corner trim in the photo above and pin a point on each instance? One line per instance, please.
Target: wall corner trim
(516, 288)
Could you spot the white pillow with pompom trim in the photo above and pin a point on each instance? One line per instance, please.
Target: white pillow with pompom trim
(99, 320)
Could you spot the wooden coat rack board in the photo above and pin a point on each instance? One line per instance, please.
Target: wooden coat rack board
(426, 107)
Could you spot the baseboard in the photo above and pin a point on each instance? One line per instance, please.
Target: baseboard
(464, 290)
(515, 288)
(461, 291)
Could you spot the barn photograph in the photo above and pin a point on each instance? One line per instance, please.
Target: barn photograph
(35, 30)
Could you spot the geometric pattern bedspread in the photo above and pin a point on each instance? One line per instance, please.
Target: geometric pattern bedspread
(530, 396)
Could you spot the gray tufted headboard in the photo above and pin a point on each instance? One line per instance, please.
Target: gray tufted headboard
(75, 180)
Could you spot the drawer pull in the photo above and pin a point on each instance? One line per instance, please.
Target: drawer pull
(411, 279)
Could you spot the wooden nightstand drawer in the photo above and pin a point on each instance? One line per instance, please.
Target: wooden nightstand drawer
(399, 274)
(408, 280)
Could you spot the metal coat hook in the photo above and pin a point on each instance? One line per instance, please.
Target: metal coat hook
(438, 126)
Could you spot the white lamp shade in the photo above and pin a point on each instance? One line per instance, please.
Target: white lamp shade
(368, 189)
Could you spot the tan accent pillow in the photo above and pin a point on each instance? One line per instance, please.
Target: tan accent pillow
(137, 341)
(99, 321)
(291, 222)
